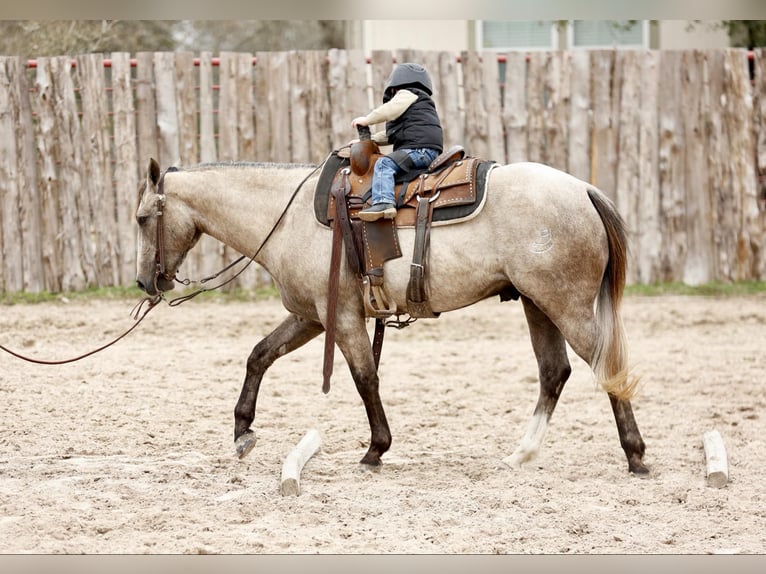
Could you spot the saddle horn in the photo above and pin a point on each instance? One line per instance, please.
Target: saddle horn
(362, 151)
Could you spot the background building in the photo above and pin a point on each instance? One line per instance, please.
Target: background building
(459, 35)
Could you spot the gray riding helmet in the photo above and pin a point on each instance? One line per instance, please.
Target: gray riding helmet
(409, 74)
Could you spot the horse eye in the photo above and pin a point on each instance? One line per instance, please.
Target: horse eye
(142, 219)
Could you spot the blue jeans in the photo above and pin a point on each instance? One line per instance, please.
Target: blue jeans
(386, 169)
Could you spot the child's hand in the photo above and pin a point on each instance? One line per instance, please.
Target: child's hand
(360, 121)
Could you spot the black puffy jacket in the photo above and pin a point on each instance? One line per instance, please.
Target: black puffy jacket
(418, 126)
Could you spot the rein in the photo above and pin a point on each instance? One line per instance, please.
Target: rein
(161, 272)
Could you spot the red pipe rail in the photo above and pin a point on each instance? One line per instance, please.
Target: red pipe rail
(501, 59)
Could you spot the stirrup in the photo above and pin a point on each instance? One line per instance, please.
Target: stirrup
(374, 292)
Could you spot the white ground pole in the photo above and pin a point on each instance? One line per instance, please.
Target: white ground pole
(296, 460)
(715, 454)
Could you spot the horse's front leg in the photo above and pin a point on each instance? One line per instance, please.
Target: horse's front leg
(354, 343)
(292, 333)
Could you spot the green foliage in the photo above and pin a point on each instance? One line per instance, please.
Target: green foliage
(717, 288)
(746, 33)
(36, 38)
(7, 298)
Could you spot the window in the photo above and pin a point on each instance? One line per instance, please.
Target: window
(608, 34)
(517, 35)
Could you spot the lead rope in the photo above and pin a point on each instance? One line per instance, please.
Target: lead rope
(135, 313)
(152, 302)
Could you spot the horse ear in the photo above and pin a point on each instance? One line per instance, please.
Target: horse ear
(154, 171)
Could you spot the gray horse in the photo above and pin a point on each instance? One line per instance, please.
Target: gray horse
(555, 240)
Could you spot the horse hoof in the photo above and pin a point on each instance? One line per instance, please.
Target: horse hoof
(371, 461)
(365, 468)
(244, 444)
(641, 471)
(638, 468)
(515, 461)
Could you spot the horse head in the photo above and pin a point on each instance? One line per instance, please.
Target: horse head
(166, 232)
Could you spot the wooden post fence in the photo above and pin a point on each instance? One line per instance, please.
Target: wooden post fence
(676, 138)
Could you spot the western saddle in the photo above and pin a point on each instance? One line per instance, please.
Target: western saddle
(450, 190)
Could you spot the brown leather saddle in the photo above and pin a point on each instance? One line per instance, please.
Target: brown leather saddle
(450, 190)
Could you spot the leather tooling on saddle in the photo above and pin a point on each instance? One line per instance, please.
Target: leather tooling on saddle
(450, 190)
(458, 181)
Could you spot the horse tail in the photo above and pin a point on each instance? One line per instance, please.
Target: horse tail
(610, 357)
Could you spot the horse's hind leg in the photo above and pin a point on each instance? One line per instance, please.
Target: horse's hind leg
(580, 332)
(554, 370)
(292, 333)
(630, 437)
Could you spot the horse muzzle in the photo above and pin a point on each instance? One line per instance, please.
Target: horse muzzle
(154, 286)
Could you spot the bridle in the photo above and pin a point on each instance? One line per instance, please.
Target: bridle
(160, 267)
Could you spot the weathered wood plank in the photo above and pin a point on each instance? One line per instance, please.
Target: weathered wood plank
(628, 188)
(719, 169)
(262, 95)
(278, 80)
(650, 236)
(535, 106)
(97, 154)
(126, 168)
(448, 99)
(476, 127)
(578, 128)
(167, 109)
(698, 264)
(29, 204)
(490, 73)
(381, 66)
(318, 119)
(228, 142)
(77, 250)
(555, 111)
(430, 59)
(146, 109)
(207, 130)
(10, 209)
(603, 154)
(186, 107)
(246, 122)
(347, 79)
(672, 183)
(759, 94)
(48, 143)
(514, 113)
(299, 106)
(743, 150)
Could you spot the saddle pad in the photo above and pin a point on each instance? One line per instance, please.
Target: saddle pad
(461, 189)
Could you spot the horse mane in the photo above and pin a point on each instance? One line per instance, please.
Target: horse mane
(245, 165)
